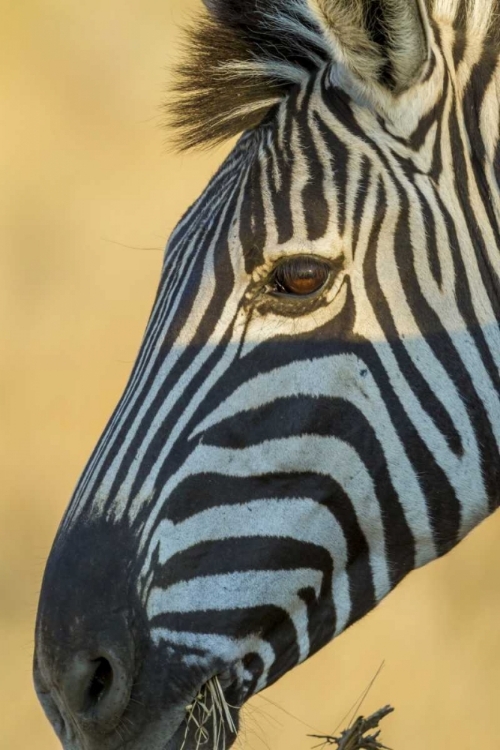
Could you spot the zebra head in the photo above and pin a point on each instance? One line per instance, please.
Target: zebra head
(314, 411)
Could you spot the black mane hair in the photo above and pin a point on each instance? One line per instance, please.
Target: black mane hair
(239, 61)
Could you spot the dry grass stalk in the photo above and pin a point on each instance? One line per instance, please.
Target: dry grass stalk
(209, 707)
(356, 736)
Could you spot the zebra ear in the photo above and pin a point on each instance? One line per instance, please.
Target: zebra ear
(387, 41)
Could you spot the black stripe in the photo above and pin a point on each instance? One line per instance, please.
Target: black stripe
(315, 204)
(433, 259)
(339, 160)
(361, 196)
(243, 555)
(252, 219)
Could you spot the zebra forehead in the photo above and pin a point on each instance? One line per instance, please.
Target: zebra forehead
(243, 56)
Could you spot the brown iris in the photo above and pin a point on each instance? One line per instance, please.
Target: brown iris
(300, 276)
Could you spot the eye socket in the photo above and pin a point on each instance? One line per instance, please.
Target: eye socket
(300, 276)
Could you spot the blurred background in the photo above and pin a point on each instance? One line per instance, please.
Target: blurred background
(89, 194)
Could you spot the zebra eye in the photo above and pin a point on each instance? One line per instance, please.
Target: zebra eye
(300, 276)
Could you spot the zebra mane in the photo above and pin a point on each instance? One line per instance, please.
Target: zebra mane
(242, 56)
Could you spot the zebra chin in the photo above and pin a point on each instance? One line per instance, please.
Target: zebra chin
(208, 719)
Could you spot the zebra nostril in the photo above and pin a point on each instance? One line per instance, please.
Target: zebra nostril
(97, 690)
(100, 684)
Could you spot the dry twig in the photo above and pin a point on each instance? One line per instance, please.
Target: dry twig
(356, 736)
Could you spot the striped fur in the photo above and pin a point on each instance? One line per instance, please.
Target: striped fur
(276, 467)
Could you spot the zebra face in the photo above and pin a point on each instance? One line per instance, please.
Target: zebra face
(314, 410)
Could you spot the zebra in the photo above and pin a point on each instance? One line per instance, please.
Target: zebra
(314, 411)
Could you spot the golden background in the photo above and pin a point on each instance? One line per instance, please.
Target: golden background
(89, 194)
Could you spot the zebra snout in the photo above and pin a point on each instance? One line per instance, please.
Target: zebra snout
(96, 690)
